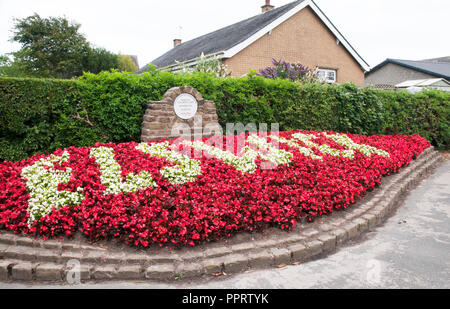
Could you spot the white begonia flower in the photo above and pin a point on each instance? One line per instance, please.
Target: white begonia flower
(42, 184)
(303, 150)
(342, 140)
(111, 174)
(366, 150)
(325, 149)
(185, 170)
(274, 155)
(245, 163)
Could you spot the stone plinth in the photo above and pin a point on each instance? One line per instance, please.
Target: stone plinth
(161, 120)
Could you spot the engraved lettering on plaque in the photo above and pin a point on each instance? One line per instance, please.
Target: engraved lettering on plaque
(185, 106)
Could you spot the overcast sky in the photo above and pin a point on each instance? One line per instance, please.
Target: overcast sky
(377, 29)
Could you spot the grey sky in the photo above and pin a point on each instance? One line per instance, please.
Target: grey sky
(377, 29)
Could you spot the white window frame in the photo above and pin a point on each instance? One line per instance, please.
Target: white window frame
(327, 71)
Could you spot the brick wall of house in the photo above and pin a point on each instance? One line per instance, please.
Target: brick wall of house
(302, 38)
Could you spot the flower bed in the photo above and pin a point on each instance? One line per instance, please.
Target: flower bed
(187, 192)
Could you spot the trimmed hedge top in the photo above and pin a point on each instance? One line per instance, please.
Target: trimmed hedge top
(42, 115)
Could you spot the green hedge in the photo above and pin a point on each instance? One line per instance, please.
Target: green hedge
(37, 115)
(426, 113)
(41, 115)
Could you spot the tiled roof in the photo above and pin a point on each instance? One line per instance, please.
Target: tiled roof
(432, 67)
(222, 39)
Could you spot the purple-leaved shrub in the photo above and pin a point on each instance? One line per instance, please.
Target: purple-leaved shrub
(285, 70)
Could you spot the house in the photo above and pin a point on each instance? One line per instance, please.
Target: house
(298, 32)
(392, 72)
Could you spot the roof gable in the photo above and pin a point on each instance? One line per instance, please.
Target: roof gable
(232, 39)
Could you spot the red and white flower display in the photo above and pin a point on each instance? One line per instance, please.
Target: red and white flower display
(191, 191)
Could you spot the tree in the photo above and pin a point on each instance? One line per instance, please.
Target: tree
(11, 68)
(99, 59)
(53, 47)
(126, 64)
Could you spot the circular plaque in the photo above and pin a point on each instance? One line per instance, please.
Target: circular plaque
(185, 106)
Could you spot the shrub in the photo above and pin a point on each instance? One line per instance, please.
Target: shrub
(426, 113)
(205, 64)
(285, 70)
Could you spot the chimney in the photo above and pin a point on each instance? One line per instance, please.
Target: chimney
(176, 42)
(267, 6)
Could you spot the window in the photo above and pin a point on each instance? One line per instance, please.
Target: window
(327, 75)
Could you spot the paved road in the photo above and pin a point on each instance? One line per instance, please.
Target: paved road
(411, 250)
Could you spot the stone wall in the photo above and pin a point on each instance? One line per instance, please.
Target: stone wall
(161, 121)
